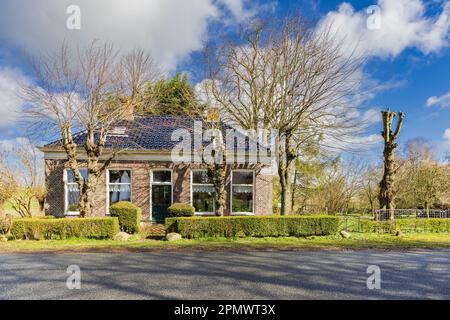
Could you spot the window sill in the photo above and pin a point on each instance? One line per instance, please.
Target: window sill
(242, 214)
(200, 214)
(72, 214)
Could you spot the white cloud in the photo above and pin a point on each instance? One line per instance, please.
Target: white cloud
(9, 144)
(446, 135)
(371, 116)
(443, 147)
(236, 7)
(170, 30)
(9, 100)
(403, 24)
(442, 101)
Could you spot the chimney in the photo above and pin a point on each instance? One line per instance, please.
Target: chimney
(128, 110)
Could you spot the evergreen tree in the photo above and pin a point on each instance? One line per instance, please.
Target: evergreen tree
(175, 96)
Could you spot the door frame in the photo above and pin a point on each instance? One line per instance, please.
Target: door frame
(161, 184)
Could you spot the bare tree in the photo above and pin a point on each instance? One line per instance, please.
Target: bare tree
(390, 135)
(88, 92)
(5, 190)
(22, 179)
(370, 184)
(422, 181)
(213, 153)
(287, 77)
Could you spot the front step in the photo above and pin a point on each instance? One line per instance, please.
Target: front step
(153, 229)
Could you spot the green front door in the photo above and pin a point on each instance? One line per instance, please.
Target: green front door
(161, 201)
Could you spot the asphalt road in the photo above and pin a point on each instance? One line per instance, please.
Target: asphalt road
(228, 275)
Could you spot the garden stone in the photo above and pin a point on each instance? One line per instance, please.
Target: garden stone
(174, 237)
(345, 234)
(122, 236)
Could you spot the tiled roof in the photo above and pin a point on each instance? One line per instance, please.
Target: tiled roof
(145, 133)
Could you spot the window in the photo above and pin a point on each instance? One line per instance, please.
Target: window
(202, 192)
(162, 177)
(242, 183)
(72, 192)
(119, 186)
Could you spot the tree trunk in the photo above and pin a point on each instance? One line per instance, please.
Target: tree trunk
(217, 172)
(387, 191)
(41, 204)
(86, 203)
(387, 188)
(286, 166)
(87, 188)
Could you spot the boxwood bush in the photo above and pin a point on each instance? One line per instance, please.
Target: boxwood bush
(129, 216)
(48, 229)
(371, 226)
(253, 226)
(433, 225)
(413, 225)
(181, 210)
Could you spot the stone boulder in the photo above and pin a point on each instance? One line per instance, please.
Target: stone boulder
(173, 237)
(122, 236)
(345, 234)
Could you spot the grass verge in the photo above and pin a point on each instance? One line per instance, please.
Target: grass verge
(139, 243)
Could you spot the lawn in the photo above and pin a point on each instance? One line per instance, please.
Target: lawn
(139, 243)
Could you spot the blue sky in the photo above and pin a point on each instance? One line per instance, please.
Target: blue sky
(408, 59)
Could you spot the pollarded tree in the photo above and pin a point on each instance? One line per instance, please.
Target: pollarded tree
(88, 92)
(286, 77)
(390, 135)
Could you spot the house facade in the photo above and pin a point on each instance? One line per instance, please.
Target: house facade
(144, 172)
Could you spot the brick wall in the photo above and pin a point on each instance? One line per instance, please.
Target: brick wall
(141, 170)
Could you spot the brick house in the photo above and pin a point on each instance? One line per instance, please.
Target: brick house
(145, 173)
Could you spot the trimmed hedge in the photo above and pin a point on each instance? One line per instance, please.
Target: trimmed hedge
(129, 216)
(181, 210)
(253, 226)
(433, 225)
(371, 226)
(413, 225)
(48, 229)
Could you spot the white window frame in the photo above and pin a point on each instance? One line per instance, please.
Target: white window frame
(192, 193)
(253, 193)
(66, 193)
(160, 184)
(107, 185)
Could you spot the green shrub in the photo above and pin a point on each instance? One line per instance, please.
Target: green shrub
(73, 208)
(253, 226)
(433, 225)
(371, 226)
(181, 210)
(129, 216)
(412, 225)
(48, 229)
